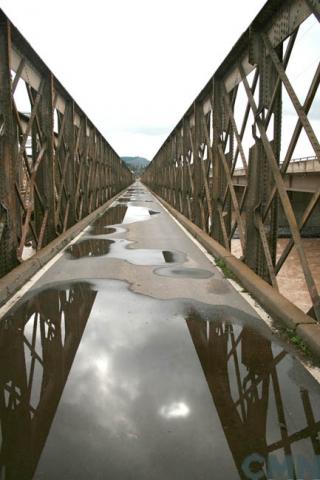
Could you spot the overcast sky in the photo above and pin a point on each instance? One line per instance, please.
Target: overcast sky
(134, 66)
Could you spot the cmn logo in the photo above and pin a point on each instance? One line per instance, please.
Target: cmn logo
(257, 467)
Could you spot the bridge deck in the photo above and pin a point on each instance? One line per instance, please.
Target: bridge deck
(133, 357)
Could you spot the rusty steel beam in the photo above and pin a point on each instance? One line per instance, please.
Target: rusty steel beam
(237, 121)
(55, 166)
(8, 152)
(16, 278)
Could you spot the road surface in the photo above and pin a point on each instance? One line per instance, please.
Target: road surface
(132, 357)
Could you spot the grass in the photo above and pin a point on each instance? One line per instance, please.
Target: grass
(296, 340)
(225, 269)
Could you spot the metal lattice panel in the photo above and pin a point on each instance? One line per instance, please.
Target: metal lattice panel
(55, 166)
(238, 122)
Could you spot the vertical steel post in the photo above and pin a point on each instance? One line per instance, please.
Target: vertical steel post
(70, 175)
(45, 173)
(220, 213)
(9, 212)
(260, 179)
(196, 165)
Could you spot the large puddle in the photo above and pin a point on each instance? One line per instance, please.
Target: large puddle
(90, 248)
(112, 216)
(120, 214)
(120, 249)
(137, 214)
(99, 382)
(123, 199)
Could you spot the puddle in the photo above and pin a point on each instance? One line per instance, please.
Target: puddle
(112, 216)
(171, 257)
(146, 256)
(102, 230)
(38, 342)
(90, 248)
(121, 214)
(119, 249)
(184, 272)
(90, 368)
(137, 214)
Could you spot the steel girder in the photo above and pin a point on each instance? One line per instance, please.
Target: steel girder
(55, 166)
(236, 120)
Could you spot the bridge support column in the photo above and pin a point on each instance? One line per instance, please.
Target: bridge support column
(9, 211)
(70, 176)
(221, 219)
(262, 224)
(196, 140)
(44, 214)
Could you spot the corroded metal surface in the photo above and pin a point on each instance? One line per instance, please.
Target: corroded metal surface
(236, 122)
(55, 166)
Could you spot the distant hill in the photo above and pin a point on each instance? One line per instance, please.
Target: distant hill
(136, 164)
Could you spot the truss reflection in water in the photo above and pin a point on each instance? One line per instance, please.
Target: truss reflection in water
(244, 377)
(90, 248)
(259, 413)
(112, 216)
(38, 343)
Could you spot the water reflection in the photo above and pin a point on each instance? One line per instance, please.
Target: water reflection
(119, 249)
(172, 257)
(175, 410)
(112, 216)
(261, 417)
(124, 199)
(38, 343)
(90, 248)
(137, 214)
(102, 230)
(137, 379)
(120, 213)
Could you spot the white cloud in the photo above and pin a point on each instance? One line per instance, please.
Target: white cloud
(132, 64)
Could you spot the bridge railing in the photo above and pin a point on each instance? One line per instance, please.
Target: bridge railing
(237, 120)
(312, 158)
(55, 166)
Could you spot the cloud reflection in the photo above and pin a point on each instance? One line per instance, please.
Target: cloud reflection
(175, 410)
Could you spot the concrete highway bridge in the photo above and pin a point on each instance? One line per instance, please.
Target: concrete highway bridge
(134, 342)
(302, 180)
(302, 175)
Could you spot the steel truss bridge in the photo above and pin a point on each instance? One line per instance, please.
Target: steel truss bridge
(194, 169)
(56, 168)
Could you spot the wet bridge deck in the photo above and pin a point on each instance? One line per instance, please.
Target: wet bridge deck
(134, 358)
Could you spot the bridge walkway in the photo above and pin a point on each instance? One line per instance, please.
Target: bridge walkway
(134, 357)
